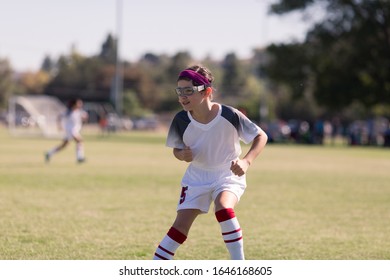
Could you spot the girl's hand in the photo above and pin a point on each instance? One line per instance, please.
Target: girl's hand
(187, 154)
(239, 167)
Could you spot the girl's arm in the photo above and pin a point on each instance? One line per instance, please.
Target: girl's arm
(240, 166)
(183, 154)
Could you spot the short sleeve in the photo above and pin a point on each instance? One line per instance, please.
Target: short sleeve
(176, 130)
(247, 130)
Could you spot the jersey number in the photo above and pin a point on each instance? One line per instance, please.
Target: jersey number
(183, 194)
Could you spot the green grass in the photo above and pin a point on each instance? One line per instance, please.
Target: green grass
(302, 202)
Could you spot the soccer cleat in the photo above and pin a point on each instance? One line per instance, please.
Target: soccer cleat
(81, 160)
(47, 158)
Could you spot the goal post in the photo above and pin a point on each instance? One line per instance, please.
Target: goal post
(35, 116)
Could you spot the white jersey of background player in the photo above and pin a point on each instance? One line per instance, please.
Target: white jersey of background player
(72, 121)
(207, 135)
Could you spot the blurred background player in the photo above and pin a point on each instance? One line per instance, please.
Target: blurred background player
(207, 135)
(72, 121)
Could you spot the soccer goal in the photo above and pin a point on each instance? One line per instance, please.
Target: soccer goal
(35, 116)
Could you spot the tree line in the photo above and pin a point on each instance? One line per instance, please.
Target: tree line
(342, 69)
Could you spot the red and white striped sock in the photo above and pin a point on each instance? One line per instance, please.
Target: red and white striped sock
(168, 246)
(231, 233)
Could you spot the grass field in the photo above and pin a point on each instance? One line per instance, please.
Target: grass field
(302, 202)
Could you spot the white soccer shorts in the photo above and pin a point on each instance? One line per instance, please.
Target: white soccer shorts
(200, 187)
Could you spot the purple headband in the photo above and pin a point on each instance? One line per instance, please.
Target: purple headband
(197, 78)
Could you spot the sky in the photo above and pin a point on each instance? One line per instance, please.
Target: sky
(32, 29)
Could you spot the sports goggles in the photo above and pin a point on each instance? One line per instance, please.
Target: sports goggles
(188, 91)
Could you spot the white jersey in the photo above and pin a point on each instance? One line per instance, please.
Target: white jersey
(215, 144)
(73, 122)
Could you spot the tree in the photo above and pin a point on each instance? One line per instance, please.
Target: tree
(80, 76)
(34, 83)
(109, 50)
(288, 64)
(6, 83)
(48, 65)
(179, 61)
(156, 67)
(137, 82)
(346, 56)
(233, 78)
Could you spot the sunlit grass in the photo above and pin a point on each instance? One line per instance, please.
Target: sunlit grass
(302, 202)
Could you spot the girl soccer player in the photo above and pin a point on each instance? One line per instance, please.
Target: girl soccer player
(207, 135)
(74, 118)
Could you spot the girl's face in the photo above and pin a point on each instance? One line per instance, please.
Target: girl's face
(189, 102)
(79, 104)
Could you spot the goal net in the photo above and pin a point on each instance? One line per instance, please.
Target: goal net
(35, 116)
